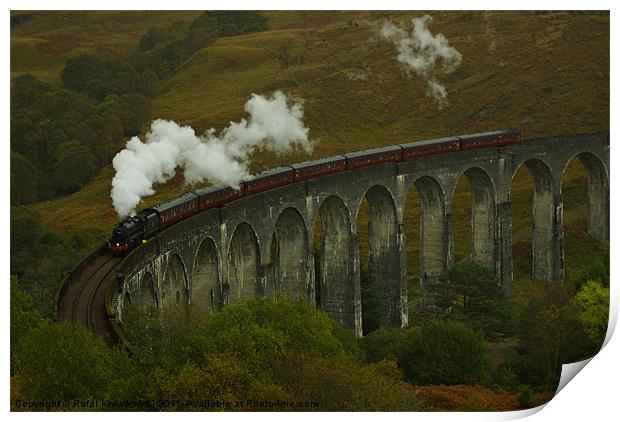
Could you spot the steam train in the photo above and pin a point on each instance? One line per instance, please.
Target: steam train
(137, 229)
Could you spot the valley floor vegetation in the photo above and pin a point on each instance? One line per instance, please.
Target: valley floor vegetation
(272, 349)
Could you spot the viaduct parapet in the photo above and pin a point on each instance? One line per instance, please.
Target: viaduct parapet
(261, 244)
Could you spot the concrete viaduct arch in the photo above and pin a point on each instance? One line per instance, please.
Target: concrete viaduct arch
(262, 244)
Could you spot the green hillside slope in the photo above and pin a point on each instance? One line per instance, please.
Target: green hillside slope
(545, 73)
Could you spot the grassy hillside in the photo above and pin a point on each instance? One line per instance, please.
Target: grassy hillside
(546, 74)
(42, 44)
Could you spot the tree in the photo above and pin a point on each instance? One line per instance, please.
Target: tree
(237, 22)
(597, 271)
(24, 318)
(265, 349)
(102, 134)
(75, 166)
(346, 385)
(203, 31)
(24, 180)
(147, 83)
(131, 109)
(474, 294)
(99, 76)
(222, 380)
(43, 132)
(81, 70)
(444, 352)
(150, 38)
(265, 329)
(74, 104)
(552, 335)
(593, 301)
(22, 128)
(26, 233)
(381, 344)
(26, 90)
(62, 361)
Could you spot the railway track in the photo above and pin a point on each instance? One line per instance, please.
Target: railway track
(84, 302)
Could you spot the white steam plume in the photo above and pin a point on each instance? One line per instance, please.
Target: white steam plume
(420, 50)
(272, 124)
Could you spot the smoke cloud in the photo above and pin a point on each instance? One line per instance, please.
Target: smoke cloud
(223, 160)
(420, 51)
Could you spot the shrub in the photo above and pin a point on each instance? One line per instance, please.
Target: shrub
(24, 318)
(267, 328)
(552, 335)
(24, 180)
(62, 361)
(75, 166)
(343, 385)
(444, 352)
(593, 301)
(381, 344)
(525, 396)
(598, 271)
(265, 349)
(475, 297)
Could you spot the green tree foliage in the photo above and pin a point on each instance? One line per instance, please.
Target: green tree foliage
(22, 127)
(163, 50)
(203, 31)
(75, 166)
(344, 385)
(103, 134)
(91, 74)
(40, 257)
(26, 90)
(233, 22)
(43, 120)
(264, 349)
(381, 344)
(598, 271)
(552, 335)
(444, 352)
(67, 361)
(211, 25)
(439, 351)
(24, 180)
(224, 379)
(474, 295)
(151, 38)
(99, 76)
(252, 331)
(593, 301)
(26, 233)
(131, 109)
(24, 318)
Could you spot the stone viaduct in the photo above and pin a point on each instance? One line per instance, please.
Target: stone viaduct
(261, 244)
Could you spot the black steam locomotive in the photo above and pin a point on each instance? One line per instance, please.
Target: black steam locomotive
(136, 229)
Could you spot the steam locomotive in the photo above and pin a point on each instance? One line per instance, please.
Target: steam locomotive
(137, 229)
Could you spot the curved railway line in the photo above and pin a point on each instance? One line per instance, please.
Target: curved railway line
(84, 301)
